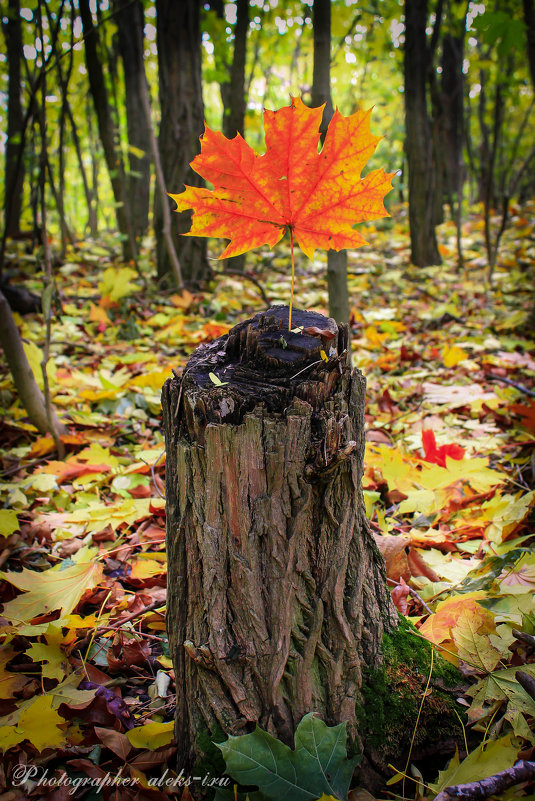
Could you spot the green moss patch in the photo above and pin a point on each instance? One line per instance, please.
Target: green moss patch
(392, 695)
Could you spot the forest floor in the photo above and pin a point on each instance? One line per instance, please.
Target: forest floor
(86, 683)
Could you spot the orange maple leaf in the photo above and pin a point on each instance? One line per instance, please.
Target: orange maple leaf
(316, 196)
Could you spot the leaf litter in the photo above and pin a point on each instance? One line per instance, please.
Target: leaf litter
(449, 477)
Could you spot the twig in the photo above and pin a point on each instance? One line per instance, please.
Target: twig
(118, 623)
(250, 278)
(527, 682)
(527, 638)
(508, 381)
(521, 772)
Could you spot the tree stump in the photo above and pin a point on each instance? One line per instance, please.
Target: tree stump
(276, 590)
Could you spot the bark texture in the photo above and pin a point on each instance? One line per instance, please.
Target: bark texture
(418, 143)
(130, 19)
(107, 129)
(182, 123)
(14, 165)
(276, 591)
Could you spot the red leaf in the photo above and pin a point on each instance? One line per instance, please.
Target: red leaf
(438, 455)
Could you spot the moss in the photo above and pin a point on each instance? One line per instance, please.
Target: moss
(392, 695)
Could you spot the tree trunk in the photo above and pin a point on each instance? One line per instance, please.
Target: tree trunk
(29, 393)
(418, 142)
(234, 102)
(321, 93)
(107, 130)
(276, 596)
(182, 123)
(130, 28)
(452, 96)
(14, 165)
(234, 111)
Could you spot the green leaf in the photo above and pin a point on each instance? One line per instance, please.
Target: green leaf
(215, 380)
(318, 765)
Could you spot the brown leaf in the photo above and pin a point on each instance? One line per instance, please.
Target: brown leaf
(399, 596)
(314, 331)
(115, 741)
(149, 759)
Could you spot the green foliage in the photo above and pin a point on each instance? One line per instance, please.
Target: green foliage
(500, 29)
(318, 764)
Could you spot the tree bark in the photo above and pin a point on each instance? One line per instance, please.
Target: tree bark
(30, 395)
(276, 590)
(107, 130)
(321, 93)
(182, 123)
(234, 111)
(233, 95)
(14, 165)
(418, 141)
(529, 19)
(130, 29)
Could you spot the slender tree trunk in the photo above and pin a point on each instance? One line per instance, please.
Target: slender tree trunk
(321, 93)
(14, 165)
(130, 27)
(29, 393)
(276, 591)
(234, 112)
(418, 142)
(182, 123)
(234, 98)
(107, 130)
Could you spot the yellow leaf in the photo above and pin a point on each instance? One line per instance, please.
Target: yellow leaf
(375, 339)
(474, 648)
(486, 760)
(324, 356)
(452, 355)
(505, 512)
(116, 283)
(151, 735)
(421, 501)
(56, 663)
(49, 590)
(9, 522)
(472, 471)
(39, 723)
(439, 628)
(146, 568)
(99, 515)
(35, 357)
(153, 380)
(182, 300)
(97, 314)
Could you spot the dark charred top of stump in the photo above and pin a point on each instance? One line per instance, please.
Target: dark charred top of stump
(261, 361)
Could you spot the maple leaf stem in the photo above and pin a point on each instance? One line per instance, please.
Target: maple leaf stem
(293, 279)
